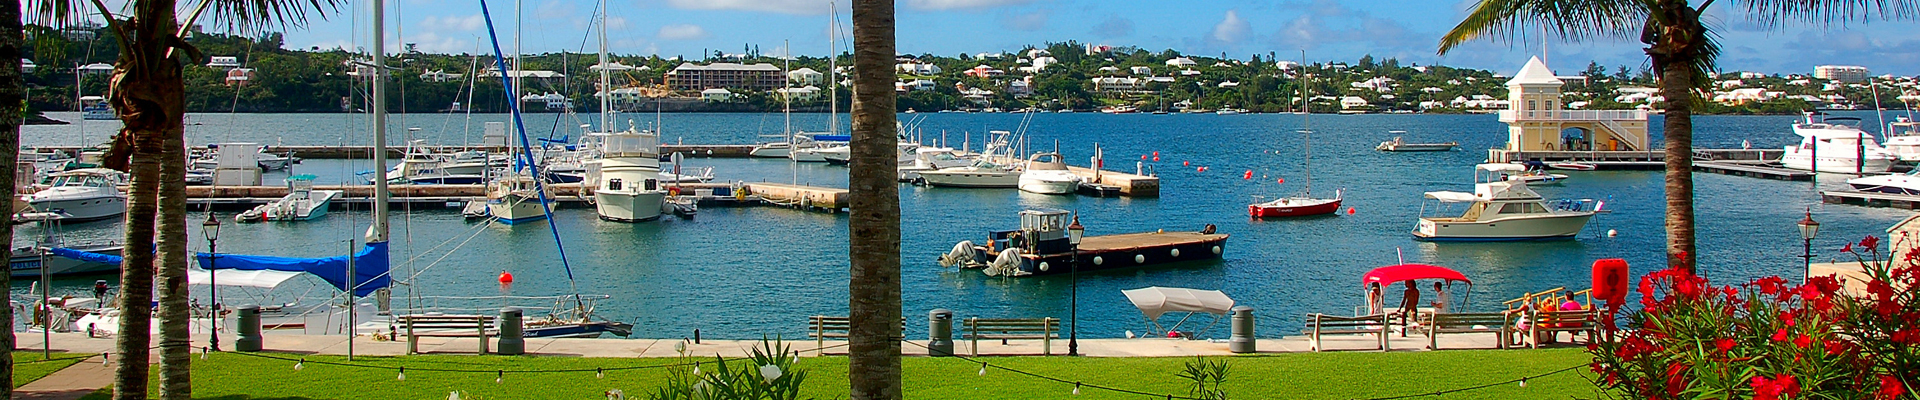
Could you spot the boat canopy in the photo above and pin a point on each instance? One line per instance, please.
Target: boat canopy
(1501, 167)
(833, 138)
(369, 267)
(265, 279)
(1155, 301)
(1391, 274)
(1452, 197)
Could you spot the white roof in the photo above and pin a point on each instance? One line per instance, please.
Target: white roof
(1155, 301)
(1534, 73)
(1452, 197)
(266, 279)
(1501, 167)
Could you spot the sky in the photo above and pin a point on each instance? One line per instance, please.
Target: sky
(1325, 29)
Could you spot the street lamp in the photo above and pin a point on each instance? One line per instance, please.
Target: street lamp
(211, 228)
(1808, 229)
(1074, 233)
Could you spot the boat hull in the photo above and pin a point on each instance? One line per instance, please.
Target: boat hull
(1203, 247)
(971, 179)
(28, 265)
(1415, 147)
(629, 206)
(1840, 165)
(516, 210)
(1298, 208)
(1555, 227)
(1051, 184)
(81, 209)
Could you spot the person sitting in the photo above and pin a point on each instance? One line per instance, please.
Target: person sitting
(1440, 298)
(1409, 305)
(1375, 300)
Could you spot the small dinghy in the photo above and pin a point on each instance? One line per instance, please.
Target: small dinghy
(302, 203)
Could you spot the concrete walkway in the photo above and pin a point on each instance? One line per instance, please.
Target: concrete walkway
(72, 383)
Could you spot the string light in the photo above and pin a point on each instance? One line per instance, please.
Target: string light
(299, 365)
(599, 373)
(983, 368)
(403, 374)
(1523, 382)
(501, 377)
(203, 353)
(1076, 388)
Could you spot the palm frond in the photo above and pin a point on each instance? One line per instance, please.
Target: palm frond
(1572, 20)
(1772, 13)
(55, 12)
(252, 16)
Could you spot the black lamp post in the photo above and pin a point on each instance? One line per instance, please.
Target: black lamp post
(211, 228)
(1074, 233)
(1808, 229)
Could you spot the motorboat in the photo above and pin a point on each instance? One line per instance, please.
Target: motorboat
(1573, 166)
(817, 153)
(1535, 172)
(1502, 208)
(302, 203)
(1043, 246)
(210, 160)
(421, 167)
(1903, 138)
(629, 189)
(1047, 173)
(1829, 144)
(94, 108)
(1227, 111)
(982, 174)
(1907, 183)
(63, 261)
(87, 194)
(1400, 144)
(693, 175)
(933, 158)
(515, 199)
(1119, 110)
(1296, 206)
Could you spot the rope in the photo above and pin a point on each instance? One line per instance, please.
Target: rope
(497, 370)
(1484, 386)
(984, 364)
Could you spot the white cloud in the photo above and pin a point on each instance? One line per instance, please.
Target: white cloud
(809, 7)
(1030, 22)
(454, 23)
(961, 4)
(683, 32)
(1231, 28)
(430, 42)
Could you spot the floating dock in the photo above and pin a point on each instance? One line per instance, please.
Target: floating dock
(1870, 199)
(801, 196)
(1630, 160)
(1130, 185)
(1752, 169)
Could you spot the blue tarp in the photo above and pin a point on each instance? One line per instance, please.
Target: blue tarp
(86, 256)
(369, 267)
(833, 138)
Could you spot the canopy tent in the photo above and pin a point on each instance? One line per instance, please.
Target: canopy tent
(1501, 167)
(264, 279)
(1156, 301)
(1452, 197)
(1391, 274)
(369, 267)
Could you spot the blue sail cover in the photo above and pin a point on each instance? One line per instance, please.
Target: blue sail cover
(369, 267)
(85, 256)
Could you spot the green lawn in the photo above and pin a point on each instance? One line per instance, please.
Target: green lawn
(29, 366)
(1294, 376)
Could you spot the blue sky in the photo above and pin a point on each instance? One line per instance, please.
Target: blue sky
(1327, 29)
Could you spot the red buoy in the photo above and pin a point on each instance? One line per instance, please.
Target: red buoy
(1282, 181)
(1349, 210)
(1186, 163)
(506, 277)
(1249, 175)
(1143, 157)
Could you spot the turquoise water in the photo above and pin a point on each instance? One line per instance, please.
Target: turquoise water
(743, 272)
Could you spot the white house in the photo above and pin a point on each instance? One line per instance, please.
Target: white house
(1141, 70)
(983, 71)
(1353, 102)
(1020, 88)
(800, 93)
(978, 95)
(914, 85)
(615, 66)
(1189, 72)
(1041, 63)
(914, 68)
(1106, 84)
(223, 62)
(439, 76)
(805, 76)
(96, 68)
(1229, 84)
(716, 94)
(1181, 62)
(1038, 52)
(1743, 96)
(1378, 84)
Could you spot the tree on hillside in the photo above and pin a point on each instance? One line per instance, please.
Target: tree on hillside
(873, 287)
(148, 93)
(1682, 51)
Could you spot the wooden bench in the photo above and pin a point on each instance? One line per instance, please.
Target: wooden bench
(821, 327)
(1045, 329)
(1322, 324)
(1499, 323)
(417, 326)
(1552, 322)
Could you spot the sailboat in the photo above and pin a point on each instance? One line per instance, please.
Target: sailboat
(1303, 204)
(629, 187)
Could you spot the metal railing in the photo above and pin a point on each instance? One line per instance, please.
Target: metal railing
(1574, 115)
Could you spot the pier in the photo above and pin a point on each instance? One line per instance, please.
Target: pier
(801, 196)
(1870, 199)
(1752, 169)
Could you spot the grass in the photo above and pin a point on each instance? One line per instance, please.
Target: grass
(29, 366)
(1294, 376)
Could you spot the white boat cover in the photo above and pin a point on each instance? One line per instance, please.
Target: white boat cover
(1452, 197)
(1502, 167)
(266, 279)
(1155, 301)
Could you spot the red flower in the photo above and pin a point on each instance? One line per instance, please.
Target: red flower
(1803, 341)
(1848, 248)
(1770, 285)
(1836, 347)
(1676, 379)
(1870, 242)
(1780, 336)
(1782, 386)
(1890, 388)
(1723, 344)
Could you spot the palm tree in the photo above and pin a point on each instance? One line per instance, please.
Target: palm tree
(1682, 51)
(148, 94)
(873, 298)
(12, 94)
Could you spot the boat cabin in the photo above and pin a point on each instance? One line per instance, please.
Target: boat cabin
(85, 178)
(631, 144)
(1042, 231)
(1047, 162)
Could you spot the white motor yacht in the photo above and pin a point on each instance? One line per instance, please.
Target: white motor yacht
(82, 195)
(1047, 174)
(629, 188)
(1501, 209)
(302, 203)
(1830, 145)
(816, 153)
(1907, 183)
(982, 174)
(1903, 139)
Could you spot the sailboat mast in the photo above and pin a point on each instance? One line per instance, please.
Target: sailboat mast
(833, 59)
(606, 86)
(378, 232)
(1306, 120)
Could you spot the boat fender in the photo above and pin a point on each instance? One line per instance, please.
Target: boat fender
(1176, 253)
(1139, 259)
(1044, 266)
(1216, 250)
(1097, 260)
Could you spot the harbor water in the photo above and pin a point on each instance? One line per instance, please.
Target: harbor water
(744, 272)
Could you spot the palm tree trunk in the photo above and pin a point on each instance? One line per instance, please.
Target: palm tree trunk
(12, 106)
(176, 353)
(1675, 50)
(136, 269)
(873, 302)
(147, 93)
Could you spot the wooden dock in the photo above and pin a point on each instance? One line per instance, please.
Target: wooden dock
(1870, 199)
(800, 196)
(1631, 159)
(1130, 185)
(1752, 169)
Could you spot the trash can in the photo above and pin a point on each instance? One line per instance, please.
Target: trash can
(940, 333)
(249, 339)
(512, 334)
(1242, 341)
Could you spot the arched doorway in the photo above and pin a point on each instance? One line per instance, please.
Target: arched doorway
(1576, 139)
